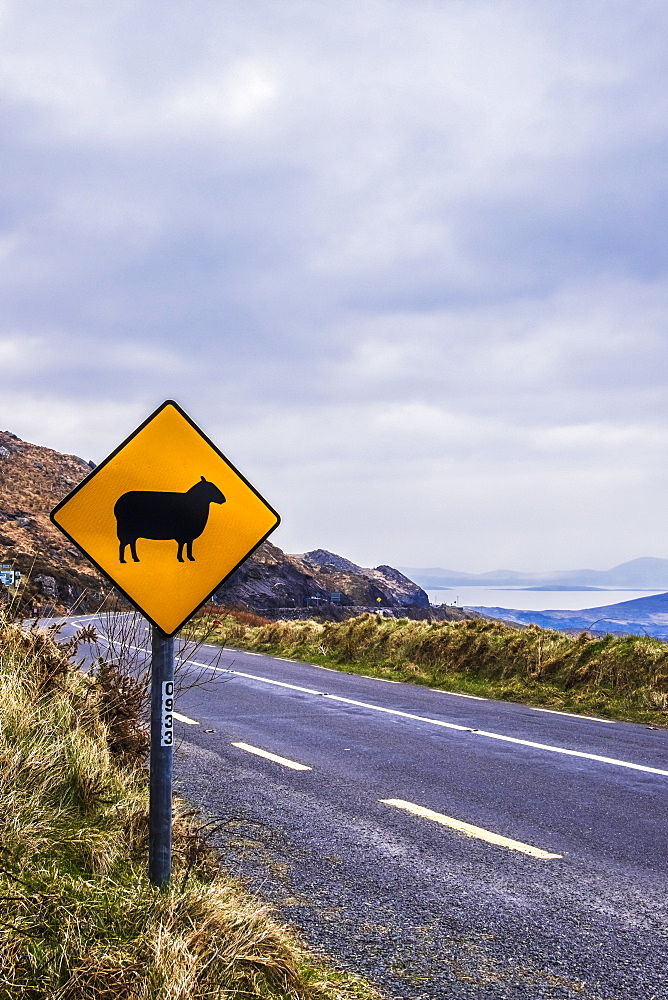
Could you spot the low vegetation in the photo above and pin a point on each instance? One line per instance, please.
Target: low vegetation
(619, 677)
(80, 920)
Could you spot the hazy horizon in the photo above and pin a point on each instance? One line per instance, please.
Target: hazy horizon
(515, 569)
(527, 600)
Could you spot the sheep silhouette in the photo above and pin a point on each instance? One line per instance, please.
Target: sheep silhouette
(164, 516)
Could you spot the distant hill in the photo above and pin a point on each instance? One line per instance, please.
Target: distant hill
(643, 615)
(32, 481)
(646, 573)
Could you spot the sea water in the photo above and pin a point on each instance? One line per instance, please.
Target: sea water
(533, 600)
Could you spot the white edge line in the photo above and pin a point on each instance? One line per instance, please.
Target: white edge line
(572, 715)
(396, 711)
(573, 753)
(433, 722)
(471, 831)
(285, 761)
(459, 694)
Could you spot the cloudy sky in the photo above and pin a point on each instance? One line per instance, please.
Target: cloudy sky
(405, 261)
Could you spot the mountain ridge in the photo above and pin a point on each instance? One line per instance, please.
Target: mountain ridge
(640, 615)
(644, 573)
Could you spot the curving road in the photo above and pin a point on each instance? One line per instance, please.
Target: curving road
(443, 845)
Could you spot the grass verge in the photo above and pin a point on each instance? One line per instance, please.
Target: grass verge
(623, 678)
(79, 918)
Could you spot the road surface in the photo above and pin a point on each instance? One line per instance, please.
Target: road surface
(440, 844)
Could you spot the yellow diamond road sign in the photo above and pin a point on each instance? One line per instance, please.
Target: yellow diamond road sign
(166, 517)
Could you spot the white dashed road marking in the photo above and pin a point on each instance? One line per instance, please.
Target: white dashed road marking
(184, 719)
(471, 831)
(272, 756)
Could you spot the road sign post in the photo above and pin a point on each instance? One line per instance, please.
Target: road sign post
(162, 740)
(167, 519)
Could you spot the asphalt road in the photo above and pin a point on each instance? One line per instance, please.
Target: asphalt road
(389, 851)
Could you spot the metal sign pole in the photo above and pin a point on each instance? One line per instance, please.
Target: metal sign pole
(162, 735)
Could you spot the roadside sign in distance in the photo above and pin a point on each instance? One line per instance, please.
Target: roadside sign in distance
(166, 518)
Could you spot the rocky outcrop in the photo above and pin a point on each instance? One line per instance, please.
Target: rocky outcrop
(319, 581)
(269, 580)
(322, 559)
(358, 585)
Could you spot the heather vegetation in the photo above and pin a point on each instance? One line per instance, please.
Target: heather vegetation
(619, 677)
(80, 920)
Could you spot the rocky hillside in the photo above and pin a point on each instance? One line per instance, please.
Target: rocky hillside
(32, 481)
(271, 580)
(357, 585)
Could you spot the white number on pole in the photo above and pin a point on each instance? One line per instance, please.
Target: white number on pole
(166, 720)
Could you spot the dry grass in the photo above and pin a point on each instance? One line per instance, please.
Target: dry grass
(216, 612)
(623, 677)
(80, 921)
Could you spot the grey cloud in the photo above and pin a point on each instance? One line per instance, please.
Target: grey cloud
(409, 259)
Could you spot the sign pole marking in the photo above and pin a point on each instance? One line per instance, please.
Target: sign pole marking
(161, 763)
